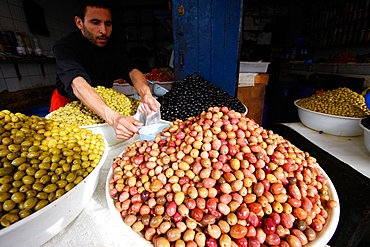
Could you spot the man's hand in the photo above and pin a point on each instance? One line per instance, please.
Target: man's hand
(150, 104)
(125, 127)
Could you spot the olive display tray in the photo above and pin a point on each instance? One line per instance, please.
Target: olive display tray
(44, 224)
(322, 238)
(329, 124)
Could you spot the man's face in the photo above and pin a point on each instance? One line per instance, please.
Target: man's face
(96, 26)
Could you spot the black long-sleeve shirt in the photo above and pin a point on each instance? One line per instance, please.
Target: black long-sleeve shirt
(99, 66)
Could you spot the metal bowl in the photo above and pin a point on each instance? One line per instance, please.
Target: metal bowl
(44, 224)
(329, 124)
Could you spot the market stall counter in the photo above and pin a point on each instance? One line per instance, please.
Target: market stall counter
(347, 162)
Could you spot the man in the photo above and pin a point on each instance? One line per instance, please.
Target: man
(91, 57)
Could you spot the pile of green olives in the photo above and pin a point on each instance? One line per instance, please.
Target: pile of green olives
(41, 160)
(78, 114)
(341, 102)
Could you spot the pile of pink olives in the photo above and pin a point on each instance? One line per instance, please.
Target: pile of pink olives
(220, 179)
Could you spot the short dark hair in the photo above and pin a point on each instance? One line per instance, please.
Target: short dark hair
(105, 4)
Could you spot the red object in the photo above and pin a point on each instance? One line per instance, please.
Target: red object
(58, 101)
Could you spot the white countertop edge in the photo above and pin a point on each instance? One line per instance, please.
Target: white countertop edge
(350, 150)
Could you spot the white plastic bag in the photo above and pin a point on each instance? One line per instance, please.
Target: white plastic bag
(146, 117)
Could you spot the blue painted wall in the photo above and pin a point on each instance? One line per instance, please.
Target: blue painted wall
(206, 40)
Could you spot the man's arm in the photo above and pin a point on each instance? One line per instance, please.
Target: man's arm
(142, 88)
(125, 126)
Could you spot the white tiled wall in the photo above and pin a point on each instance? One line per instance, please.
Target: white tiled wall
(59, 21)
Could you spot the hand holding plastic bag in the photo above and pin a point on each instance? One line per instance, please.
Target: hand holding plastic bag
(148, 116)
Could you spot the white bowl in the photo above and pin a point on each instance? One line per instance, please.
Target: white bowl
(366, 136)
(329, 124)
(44, 224)
(106, 130)
(322, 237)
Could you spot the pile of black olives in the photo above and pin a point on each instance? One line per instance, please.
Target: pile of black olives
(194, 95)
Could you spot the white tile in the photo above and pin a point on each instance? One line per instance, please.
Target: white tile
(6, 23)
(37, 80)
(25, 83)
(2, 85)
(50, 68)
(4, 9)
(21, 26)
(34, 69)
(12, 84)
(23, 69)
(17, 12)
(16, 2)
(8, 70)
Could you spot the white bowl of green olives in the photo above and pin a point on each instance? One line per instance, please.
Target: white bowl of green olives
(365, 125)
(329, 124)
(42, 225)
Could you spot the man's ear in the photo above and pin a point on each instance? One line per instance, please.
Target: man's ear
(79, 22)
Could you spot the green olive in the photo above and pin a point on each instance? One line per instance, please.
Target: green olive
(28, 179)
(40, 204)
(50, 188)
(59, 193)
(38, 186)
(8, 219)
(61, 183)
(14, 148)
(17, 183)
(8, 205)
(52, 197)
(4, 196)
(42, 195)
(45, 165)
(6, 171)
(30, 203)
(12, 156)
(24, 213)
(31, 171)
(18, 197)
(78, 179)
(5, 187)
(69, 186)
(24, 167)
(18, 161)
(31, 193)
(33, 155)
(45, 179)
(25, 188)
